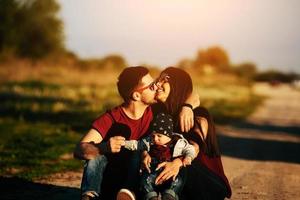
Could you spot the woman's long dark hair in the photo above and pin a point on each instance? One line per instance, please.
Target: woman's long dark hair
(181, 88)
(209, 145)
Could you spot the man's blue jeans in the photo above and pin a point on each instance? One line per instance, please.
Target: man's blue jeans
(94, 169)
(93, 175)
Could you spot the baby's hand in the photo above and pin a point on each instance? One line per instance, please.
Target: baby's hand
(146, 161)
(187, 161)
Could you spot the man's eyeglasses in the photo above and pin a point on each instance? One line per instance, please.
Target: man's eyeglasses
(151, 86)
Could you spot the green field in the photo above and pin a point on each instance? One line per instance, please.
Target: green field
(41, 120)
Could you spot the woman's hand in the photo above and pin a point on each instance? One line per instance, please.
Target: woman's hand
(146, 161)
(171, 170)
(186, 119)
(186, 115)
(187, 161)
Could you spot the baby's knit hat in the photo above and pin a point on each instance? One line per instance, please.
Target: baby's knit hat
(163, 124)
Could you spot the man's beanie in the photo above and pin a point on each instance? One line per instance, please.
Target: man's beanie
(163, 124)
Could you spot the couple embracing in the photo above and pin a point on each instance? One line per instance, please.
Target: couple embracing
(159, 142)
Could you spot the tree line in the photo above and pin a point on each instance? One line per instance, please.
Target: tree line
(32, 29)
(216, 60)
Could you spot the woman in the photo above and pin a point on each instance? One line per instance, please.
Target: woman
(205, 177)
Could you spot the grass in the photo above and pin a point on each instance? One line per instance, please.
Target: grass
(229, 102)
(42, 122)
(33, 149)
(42, 119)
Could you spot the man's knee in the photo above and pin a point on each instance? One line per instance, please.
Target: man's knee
(98, 161)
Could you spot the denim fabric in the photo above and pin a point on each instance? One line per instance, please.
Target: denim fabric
(170, 192)
(93, 174)
(133, 175)
(148, 186)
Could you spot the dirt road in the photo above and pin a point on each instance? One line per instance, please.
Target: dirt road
(261, 156)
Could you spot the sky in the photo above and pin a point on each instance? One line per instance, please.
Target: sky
(163, 32)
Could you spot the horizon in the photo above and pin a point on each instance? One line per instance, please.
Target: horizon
(161, 33)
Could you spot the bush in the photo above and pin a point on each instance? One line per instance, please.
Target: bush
(271, 76)
(30, 28)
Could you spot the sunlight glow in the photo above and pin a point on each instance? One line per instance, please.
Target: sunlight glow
(163, 31)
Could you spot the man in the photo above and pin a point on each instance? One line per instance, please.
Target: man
(133, 117)
(101, 146)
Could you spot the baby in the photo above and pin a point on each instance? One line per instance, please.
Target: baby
(162, 145)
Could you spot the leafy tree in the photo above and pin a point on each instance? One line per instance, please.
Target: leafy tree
(108, 62)
(114, 61)
(273, 75)
(30, 28)
(246, 70)
(185, 63)
(214, 56)
(8, 30)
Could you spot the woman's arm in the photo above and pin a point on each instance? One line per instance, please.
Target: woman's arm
(186, 116)
(193, 100)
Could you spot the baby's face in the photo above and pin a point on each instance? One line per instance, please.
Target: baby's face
(160, 139)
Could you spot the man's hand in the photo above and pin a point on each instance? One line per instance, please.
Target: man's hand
(115, 143)
(171, 170)
(186, 118)
(187, 161)
(146, 161)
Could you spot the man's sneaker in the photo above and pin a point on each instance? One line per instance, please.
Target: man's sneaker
(90, 195)
(87, 197)
(125, 194)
